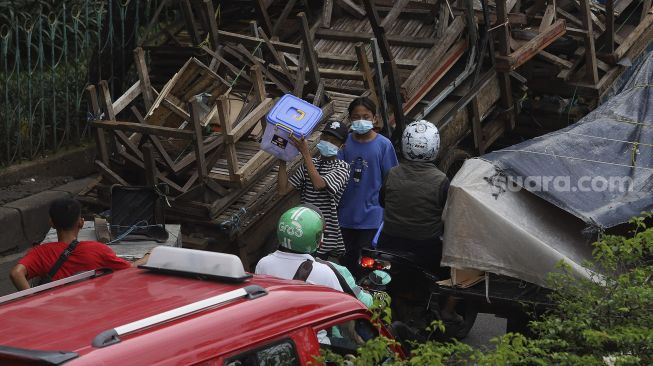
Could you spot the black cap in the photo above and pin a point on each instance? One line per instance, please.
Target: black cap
(338, 129)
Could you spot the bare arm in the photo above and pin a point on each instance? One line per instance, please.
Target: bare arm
(19, 277)
(316, 179)
(283, 186)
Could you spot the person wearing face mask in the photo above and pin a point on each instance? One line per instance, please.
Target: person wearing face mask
(371, 156)
(321, 182)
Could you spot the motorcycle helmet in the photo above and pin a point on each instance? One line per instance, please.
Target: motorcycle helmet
(300, 230)
(420, 141)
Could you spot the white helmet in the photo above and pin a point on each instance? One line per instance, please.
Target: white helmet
(420, 141)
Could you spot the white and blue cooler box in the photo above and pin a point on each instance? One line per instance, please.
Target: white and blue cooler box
(289, 116)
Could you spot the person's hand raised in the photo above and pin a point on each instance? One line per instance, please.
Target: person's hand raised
(301, 145)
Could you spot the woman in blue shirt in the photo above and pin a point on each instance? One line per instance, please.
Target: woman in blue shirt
(370, 156)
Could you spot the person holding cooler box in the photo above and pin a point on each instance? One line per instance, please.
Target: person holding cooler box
(321, 182)
(371, 156)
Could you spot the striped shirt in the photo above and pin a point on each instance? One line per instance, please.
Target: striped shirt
(336, 175)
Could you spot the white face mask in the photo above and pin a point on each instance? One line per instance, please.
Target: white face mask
(362, 126)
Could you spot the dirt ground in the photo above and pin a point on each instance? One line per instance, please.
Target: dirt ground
(30, 186)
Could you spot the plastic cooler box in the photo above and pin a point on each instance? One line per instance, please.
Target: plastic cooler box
(289, 116)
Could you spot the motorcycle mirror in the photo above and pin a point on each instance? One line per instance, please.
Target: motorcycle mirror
(380, 278)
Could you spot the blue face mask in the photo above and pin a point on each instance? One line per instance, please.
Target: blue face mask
(327, 149)
(361, 126)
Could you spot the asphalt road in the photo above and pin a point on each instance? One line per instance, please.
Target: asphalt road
(485, 328)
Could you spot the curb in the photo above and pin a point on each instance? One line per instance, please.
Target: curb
(26, 220)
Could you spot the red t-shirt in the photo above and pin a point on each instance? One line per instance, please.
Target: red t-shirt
(88, 255)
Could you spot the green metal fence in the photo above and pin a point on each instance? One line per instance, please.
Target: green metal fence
(49, 52)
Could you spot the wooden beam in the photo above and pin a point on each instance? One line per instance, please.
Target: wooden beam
(555, 60)
(430, 62)
(144, 129)
(213, 24)
(366, 71)
(395, 40)
(132, 93)
(503, 36)
(531, 48)
(155, 141)
(250, 120)
(150, 165)
(254, 41)
(230, 148)
(327, 10)
(110, 174)
(351, 60)
(290, 4)
(230, 66)
(100, 138)
(187, 12)
(309, 49)
(609, 25)
(279, 83)
(143, 77)
(591, 71)
(200, 158)
(301, 73)
(262, 15)
(352, 8)
(275, 55)
(394, 13)
(631, 39)
(547, 18)
(394, 92)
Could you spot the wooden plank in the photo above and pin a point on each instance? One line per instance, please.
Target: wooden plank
(547, 18)
(105, 96)
(352, 8)
(250, 120)
(394, 91)
(510, 4)
(100, 138)
(150, 165)
(327, 10)
(200, 158)
(394, 13)
(609, 25)
(124, 100)
(309, 49)
(263, 16)
(366, 71)
(290, 4)
(632, 38)
(143, 77)
(110, 174)
(258, 160)
(556, 60)
(393, 39)
(477, 131)
(275, 55)
(531, 48)
(253, 41)
(301, 74)
(236, 71)
(443, 66)
(351, 60)
(243, 51)
(230, 149)
(155, 141)
(430, 61)
(128, 144)
(130, 158)
(591, 71)
(569, 17)
(319, 94)
(505, 88)
(144, 129)
(187, 12)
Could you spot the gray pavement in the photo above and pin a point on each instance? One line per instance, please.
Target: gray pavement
(485, 328)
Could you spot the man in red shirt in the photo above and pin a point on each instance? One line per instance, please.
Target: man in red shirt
(65, 217)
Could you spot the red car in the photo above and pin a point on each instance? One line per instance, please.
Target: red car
(185, 307)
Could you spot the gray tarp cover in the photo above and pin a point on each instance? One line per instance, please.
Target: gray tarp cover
(493, 226)
(594, 159)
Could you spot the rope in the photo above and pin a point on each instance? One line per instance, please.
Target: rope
(575, 158)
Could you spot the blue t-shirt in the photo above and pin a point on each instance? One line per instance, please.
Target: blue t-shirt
(369, 163)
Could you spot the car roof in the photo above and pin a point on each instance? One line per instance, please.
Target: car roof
(69, 317)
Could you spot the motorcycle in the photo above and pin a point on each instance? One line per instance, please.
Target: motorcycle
(415, 299)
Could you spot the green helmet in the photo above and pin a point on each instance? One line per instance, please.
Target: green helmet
(300, 230)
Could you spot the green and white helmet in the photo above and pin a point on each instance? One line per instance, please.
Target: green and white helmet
(300, 230)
